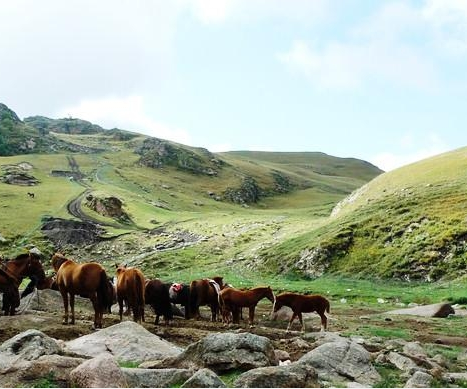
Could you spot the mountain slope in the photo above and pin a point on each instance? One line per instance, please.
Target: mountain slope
(409, 224)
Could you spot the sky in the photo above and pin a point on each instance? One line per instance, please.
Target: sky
(382, 81)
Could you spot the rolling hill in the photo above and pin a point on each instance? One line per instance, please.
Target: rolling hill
(184, 211)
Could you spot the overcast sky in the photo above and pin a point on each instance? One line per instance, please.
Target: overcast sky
(383, 81)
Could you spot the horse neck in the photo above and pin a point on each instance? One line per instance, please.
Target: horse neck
(261, 293)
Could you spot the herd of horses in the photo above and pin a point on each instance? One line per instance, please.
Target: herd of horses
(130, 289)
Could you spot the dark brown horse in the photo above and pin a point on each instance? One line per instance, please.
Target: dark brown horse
(233, 300)
(301, 304)
(84, 279)
(205, 292)
(12, 274)
(131, 289)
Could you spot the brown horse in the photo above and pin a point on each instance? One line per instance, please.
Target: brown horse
(205, 292)
(12, 274)
(233, 300)
(131, 289)
(84, 279)
(302, 303)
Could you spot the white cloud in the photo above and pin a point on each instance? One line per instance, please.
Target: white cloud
(379, 49)
(428, 147)
(448, 19)
(128, 113)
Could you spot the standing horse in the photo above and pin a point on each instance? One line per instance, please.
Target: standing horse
(205, 292)
(302, 303)
(231, 299)
(131, 289)
(84, 279)
(12, 274)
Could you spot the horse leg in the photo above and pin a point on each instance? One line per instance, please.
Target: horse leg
(65, 306)
(294, 315)
(301, 321)
(96, 307)
(324, 321)
(120, 307)
(251, 315)
(213, 312)
(72, 307)
(235, 315)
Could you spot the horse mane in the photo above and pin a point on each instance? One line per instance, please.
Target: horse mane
(21, 257)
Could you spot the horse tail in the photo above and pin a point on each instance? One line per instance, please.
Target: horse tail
(193, 298)
(327, 309)
(139, 298)
(104, 295)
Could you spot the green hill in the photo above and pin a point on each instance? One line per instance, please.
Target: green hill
(408, 224)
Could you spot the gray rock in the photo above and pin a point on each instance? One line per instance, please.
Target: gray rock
(419, 379)
(100, 372)
(204, 378)
(127, 341)
(295, 375)
(402, 362)
(433, 310)
(26, 346)
(56, 366)
(414, 349)
(155, 378)
(455, 377)
(225, 351)
(342, 361)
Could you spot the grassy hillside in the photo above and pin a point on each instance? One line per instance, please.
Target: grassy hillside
(409, 224)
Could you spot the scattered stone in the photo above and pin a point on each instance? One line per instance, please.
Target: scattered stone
(126, 341)
(414, 349)
(100, 372)
(204, 378)
(342, 361)
(294, 375)
(433, 310)
(419, 379)
(402, 362)
(155, 378)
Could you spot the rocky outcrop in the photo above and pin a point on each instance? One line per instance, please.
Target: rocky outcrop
(64, 232)
(157, 153)
(107, 206)
(248, 192)
(156, 378)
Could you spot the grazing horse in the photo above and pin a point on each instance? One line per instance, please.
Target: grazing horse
(130, 288)
(12, 274)
(302, 303)
(180, 294)
(205, 292)
(157, 296)
(233, 300)
(84, 279)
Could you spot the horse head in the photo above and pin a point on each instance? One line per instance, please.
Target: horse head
(57, 260)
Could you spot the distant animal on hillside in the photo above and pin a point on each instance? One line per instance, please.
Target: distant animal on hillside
(205, 292)
(300, 303)
(130, 288)
(233, 300)
(31, 194)
(85, 279)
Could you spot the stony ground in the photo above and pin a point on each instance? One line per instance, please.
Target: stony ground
(45, 314)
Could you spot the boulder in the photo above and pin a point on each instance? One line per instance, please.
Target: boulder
(99, 372)
(402, 362)
(295, 375)
(26, 346)
(433, 310)
(342, 361)
(419, 379)
(126, 341)
(155, 378)
(225, 351)
(204, 378)
(54, 367)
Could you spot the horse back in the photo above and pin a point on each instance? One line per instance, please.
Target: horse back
(82, 278)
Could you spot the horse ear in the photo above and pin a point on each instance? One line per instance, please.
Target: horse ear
(116, 266)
